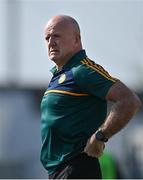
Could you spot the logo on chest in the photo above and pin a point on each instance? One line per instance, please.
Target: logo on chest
(62, 78)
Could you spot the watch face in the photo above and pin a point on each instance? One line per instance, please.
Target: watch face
(100, 136)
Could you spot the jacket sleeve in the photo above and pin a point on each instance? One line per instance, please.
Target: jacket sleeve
(93, 80)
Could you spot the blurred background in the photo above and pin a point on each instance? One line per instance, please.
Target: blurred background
(112, 34)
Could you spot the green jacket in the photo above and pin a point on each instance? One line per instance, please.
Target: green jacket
(72, 109)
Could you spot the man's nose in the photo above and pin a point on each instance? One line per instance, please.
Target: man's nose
(51, 41)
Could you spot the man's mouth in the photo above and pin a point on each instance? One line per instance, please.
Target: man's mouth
(53, 51)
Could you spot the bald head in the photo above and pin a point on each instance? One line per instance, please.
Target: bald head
(64, 21)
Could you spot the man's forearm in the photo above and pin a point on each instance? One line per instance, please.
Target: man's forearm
(121, 112)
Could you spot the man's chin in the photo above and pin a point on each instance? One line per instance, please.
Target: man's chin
(53, 58)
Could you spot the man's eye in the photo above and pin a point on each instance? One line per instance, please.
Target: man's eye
(56, 36)
(47, 38)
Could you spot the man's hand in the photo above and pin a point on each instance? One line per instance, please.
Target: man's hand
(94, 147)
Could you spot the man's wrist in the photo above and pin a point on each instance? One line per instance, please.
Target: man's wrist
(99, 135)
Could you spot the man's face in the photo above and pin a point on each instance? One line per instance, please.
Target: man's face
(61, 41)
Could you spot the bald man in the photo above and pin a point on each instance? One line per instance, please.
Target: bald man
(74, 124)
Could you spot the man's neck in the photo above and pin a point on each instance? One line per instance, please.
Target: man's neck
(60, 65)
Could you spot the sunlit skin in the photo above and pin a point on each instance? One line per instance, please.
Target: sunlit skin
(62, 39)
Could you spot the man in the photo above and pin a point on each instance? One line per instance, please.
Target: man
(73, 110)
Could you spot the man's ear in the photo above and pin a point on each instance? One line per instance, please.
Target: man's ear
(77, 39)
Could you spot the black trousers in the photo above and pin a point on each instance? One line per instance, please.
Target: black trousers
(80, 167)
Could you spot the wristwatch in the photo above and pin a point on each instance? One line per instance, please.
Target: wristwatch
(100, 136)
